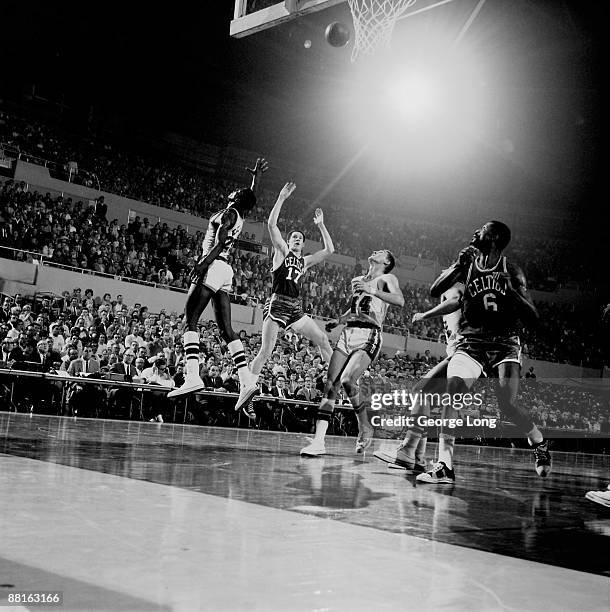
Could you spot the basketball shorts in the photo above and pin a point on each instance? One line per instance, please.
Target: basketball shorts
(284, 310)
(452, 344)
(367, 339)
(219, 276)
(489, 352)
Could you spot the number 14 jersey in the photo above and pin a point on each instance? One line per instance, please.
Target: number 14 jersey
(366, 307)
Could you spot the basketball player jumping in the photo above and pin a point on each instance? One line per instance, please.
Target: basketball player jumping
(212, 278)
(284, 308)
(358, 346)
(495, 299)
(410, 453)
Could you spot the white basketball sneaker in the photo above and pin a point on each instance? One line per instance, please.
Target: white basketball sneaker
(315, 448)
(247, 390)
(599, 497)
(190, 385)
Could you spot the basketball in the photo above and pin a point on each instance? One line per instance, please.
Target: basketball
(337, 34)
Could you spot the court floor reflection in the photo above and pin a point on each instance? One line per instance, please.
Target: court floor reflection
(498, 504)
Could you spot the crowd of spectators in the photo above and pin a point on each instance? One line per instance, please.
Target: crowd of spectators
(75, 233)
(82, 333)
(181, 188)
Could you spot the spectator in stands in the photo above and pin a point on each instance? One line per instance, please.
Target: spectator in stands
(308, 392)
(213, 380)
(158, 374)
(280, 390)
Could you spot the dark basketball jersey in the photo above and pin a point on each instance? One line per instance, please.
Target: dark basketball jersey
(486, 307)
(287, 274)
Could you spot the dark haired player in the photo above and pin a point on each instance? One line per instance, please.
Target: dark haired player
(495, 299)
(285, 307)
(212, 278)
(358, 346)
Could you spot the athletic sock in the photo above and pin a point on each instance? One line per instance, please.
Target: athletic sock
(420, 451)
(411, 441)
(445, 449)
(325, 409)
(236, 348)
(321, 428)
(191, 352)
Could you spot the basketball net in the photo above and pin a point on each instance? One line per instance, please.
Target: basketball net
(374, 22)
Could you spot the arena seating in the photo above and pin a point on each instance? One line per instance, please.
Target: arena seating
(70, 233)
(110, 327)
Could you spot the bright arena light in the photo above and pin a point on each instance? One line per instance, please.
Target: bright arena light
(414, 96)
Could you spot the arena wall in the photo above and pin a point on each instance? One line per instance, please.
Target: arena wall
(27, 278)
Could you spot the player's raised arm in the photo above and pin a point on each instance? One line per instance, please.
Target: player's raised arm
(329, 247)
(517, 288)
(260, 167)
(456, 272)
(279, 244)
(440, 310)
(391, 293)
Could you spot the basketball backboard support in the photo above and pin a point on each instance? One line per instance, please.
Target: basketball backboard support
(253, 16)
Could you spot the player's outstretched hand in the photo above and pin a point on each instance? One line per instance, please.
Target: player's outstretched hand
(287, 190)
(260, 167)
(318, 216)
(467, 255)
(417, 317)
(330, 326)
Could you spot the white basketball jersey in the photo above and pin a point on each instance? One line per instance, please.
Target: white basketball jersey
(211, 235)
(451, 321)
(366, 307)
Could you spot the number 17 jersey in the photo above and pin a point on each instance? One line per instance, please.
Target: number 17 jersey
(285, 277)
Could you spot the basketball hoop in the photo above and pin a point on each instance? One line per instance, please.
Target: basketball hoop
(374, 22)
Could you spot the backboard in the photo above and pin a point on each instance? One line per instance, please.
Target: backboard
(252, 16)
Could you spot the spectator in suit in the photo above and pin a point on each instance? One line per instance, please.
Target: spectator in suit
(140, 364)
(280, 389)
(49, 359)
(213, 380)
(23, 351)
(121, 397)
(8, 344)
(308, 392)
(45, 393)
(5, 311)
(158, 374)
(101, 208)
(85, 399)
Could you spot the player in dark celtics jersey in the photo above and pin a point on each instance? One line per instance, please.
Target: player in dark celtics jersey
(495, 300)
(285, 306)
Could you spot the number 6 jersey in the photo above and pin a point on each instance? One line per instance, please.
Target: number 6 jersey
(486, 307)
